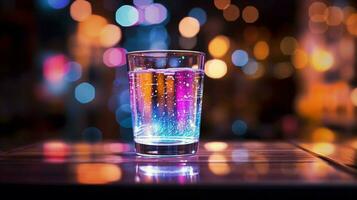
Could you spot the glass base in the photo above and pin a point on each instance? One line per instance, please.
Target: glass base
(166, 149)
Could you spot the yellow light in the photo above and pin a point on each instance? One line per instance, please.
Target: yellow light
(189, 27)
(321, 60)
(97, 173)
(250, 14)
(317, 12)
(222, 4)
(299, 59)
(353, 96)
(323, 134)
(334, 16)
(215, 68)
(110, 35)
(215, 146)
(323, 148)
(219, 46)
(217, 165)
(80, 10)
(92, 26)
(231, 13)
(288, 45)
(351, 24)
(261, 50)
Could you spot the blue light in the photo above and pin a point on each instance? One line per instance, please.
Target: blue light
(124, 96)
(125, 108)
(84, 92)
(92, 134)
(240, 58)
(74, 72)
(123, 118)
(158, 33)
(239, 127)
(57, 4)
(158, 45)
(199, 14)
(127, 15)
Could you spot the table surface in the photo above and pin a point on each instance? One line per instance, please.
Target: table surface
(217, 163)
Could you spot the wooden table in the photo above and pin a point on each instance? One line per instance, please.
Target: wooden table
(255, 168)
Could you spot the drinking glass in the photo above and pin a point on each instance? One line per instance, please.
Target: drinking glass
(166, 96)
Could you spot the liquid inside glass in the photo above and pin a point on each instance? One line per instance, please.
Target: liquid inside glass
(166, 105)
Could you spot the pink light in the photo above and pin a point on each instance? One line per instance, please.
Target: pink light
(114, 57)
(55, 149)
(55, 68)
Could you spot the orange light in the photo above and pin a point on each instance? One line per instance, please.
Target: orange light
(222, 4)
(231, 13)
(215, 146)
(189, 27)
(334, 16)
(317, 27)
(219, 46)
(321, 60)
(288, 45)
(323, 134)
(261, 50)
(110, 35)
(80, 10)
(347, 12)
(351, 24)
(92, 26)
(250, 14)
(215, 68)
(353, 97)
(97, 173)
(299, 59)
(217, 165)
(317, 12)
(283, 70)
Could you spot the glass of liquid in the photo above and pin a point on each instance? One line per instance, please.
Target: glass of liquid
(166, 89)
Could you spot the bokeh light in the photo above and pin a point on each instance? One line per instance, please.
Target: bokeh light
(127, 16)
(334, 15)
(240, 58)
(317, 11)
(323, 134)
(114, 57)
(321, 60)
(351, 24)
(239, 127)
(299, 59)
(222, 4)
(250, 68)
(97, 173)
(57, 4)
(231, 13)
(215, 68)
(323, 148)
(217, 165)
(55, 149)
(215, 146)
(55, 68)
(110, 35)
(74, 72)
(288, 45)
(353, 96)
(80, 10)
(84, 92)
(318, 27)
(155, 13)
(219, 46)
(250, 14)
(283, 70)
(142, 3)
(189, 27)
(261, 50)
(199, 14)
(92, 26)
(92, 134)
(187, 43)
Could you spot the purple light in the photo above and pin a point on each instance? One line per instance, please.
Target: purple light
(142, 3)
(155, 13)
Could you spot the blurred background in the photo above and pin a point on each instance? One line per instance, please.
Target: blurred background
(274, 69)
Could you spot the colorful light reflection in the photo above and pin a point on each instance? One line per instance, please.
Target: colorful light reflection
(97, 173)
(127, 16)
(84, 92)
(114, 57)
(55, 68)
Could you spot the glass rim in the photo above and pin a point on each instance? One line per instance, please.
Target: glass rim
(143, 52)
